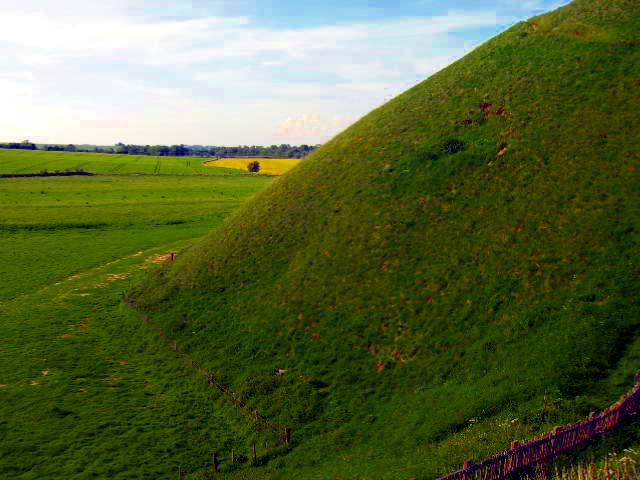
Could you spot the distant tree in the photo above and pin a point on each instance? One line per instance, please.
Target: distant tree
(254, 167)
(284, 150)
(24, 145)
(134, 149)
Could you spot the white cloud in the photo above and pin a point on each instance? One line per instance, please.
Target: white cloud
(534, 6)
(65, 37)
(90, 72)
(429, 65)
(310, 128)
(21, 75)
(207, 39)
(299, 128)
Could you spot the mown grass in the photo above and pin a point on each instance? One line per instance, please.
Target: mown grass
(268, 166)
(446, 275)
(53, 227)
(30, 161)
(87, 390)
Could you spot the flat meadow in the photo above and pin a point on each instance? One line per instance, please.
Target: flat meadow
(86, 388)
(34, 161)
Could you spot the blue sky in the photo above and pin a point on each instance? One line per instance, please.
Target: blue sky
(224, 72)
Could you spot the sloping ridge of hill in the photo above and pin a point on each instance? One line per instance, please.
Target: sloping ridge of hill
(458, 269)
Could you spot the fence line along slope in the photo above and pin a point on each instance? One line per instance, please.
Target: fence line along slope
(522, 457)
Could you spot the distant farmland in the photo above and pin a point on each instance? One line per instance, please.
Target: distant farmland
(268, 166)
(35, 161)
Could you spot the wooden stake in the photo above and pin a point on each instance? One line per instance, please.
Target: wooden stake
(541, 472)
(465, 466)
(255, 455)
(233, 456)
(607, 473)
(627, 472)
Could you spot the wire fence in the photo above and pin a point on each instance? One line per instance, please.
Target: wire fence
(521, 458)
(281, 432)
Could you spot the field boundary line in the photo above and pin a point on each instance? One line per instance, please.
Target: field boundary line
(283, 433)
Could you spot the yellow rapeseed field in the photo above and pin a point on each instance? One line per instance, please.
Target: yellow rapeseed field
(268, 166)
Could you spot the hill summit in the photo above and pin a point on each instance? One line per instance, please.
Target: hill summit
(456, 270)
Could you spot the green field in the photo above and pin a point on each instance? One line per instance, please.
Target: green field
(115, 402)
(457, 270)
(52, 227)
(34, 161)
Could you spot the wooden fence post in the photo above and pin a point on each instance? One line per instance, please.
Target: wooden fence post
(465, 467)
(216, 462)
(233, 456)
(541, 472)
(255, 455)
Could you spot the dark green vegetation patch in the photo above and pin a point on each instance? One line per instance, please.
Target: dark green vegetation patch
(457, 270)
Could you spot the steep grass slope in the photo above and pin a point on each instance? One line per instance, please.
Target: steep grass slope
(458, 269)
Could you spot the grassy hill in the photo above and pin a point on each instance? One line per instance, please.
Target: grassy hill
(456, 270)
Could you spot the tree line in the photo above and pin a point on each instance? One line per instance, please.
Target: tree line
(279, 151)
(26, 145)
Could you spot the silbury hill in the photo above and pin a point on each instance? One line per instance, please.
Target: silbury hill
(458, 269)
